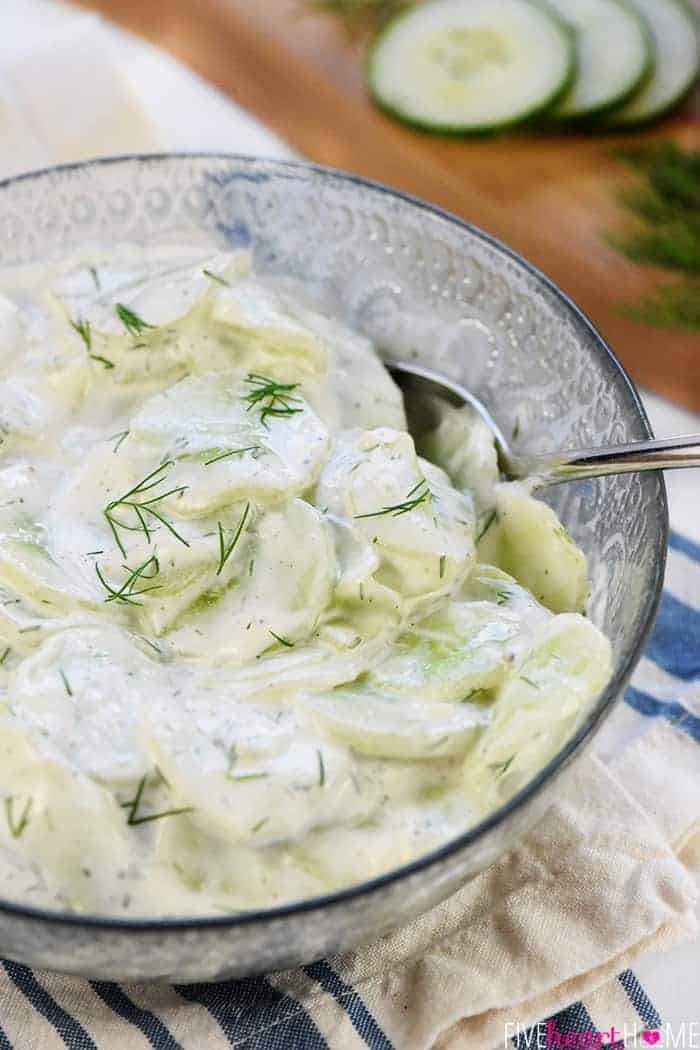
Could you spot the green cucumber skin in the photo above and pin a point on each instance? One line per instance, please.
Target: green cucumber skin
(611, 123)
(581, 119)
(482, 130)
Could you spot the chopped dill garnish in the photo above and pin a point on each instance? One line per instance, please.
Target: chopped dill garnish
(232, 759)
(281, 640)
(88, 553)
(134, 324)
(5, 655)
(156, 648)
(501, 768)
(260, 824)
(516, 429)
(502, 597)
(133, 806)
(96, 278)
(215, 277)
(270, 397)
(493, 516)
(66, 683)
(529, 681)
(143, 507)
(321, 768)
(476, 696)
(420, 493)
(225, 551)
(246, 776)
(126, 593)
(161, 776)
(26, 630)
(443, 559)
(122, 436)
(230, 452)
(18, 828)
(84, 331)
(103, 360)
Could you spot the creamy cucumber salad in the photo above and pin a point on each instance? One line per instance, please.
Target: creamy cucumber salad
(254, 645)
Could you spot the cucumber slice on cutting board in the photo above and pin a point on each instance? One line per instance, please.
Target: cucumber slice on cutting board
(674, 26)
(471, 65)
(615, 55)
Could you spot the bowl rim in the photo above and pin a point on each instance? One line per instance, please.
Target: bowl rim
(605, 703)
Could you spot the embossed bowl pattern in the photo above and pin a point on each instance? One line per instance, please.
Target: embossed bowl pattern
(426, 286)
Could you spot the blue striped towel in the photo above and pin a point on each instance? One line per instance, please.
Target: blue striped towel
(551, 960)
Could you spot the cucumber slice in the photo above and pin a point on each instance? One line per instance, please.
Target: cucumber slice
(615, 54)
(471, 65)
(674, 27)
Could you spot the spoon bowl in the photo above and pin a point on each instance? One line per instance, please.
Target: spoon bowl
(424, 391)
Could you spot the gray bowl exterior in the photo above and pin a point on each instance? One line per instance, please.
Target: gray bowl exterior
(427, 287)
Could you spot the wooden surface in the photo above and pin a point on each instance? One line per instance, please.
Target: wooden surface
(549, 196)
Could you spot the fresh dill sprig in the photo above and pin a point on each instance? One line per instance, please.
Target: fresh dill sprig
(529, 682)
(215, 277)
(493, 516)
(231, 452)
(84, 331)
(126, 593)
(420, 493)
(502, 597)
(66, 683)
(18, 828)
(321, 768)
(5, 655)
(96, 278)
(133, 806)
(226, 550)
(122, 436)
(103, 360)
(143, 508)
(246, 776)
(443, 560)
(663, 230)
(358, 15)
(281, 640)
(260, 824)
(501, 768)
(134, 324)
(270, 397)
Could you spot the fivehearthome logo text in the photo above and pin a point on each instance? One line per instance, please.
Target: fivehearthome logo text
(549, 1036)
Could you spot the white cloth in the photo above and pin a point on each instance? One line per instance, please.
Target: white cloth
(607, 877)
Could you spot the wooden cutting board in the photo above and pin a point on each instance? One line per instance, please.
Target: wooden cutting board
(550, 196)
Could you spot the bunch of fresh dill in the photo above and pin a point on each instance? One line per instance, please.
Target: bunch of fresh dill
(664, 208)
(359, 14)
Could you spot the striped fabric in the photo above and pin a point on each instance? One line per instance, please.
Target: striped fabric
(316, 1008)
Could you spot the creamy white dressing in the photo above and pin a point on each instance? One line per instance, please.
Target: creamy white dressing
(253, 646)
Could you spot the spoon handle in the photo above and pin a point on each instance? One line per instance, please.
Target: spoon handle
(667, 454)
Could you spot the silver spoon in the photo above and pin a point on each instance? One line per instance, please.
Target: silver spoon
(422, 387)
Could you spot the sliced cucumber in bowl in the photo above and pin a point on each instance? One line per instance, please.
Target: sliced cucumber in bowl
(674, 26)
(615, 56)
(471, 65)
